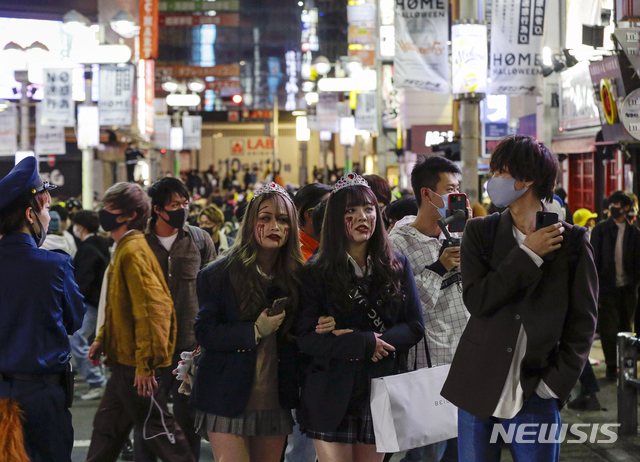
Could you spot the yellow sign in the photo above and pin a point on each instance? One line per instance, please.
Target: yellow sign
(608, 102)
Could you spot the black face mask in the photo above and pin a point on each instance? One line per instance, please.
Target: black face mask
(43, 232)
(177, 218)
(616, 212)
(109, 221)
(208, 230)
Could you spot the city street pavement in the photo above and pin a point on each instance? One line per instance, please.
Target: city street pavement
(625, 449)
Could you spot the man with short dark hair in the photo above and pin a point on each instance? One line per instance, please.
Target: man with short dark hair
(532, 295)
(92, 259)
(616, 246)
(305, 201)
(138, 338)
(182, 250)
(437, 275)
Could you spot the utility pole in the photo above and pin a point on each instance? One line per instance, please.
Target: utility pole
(275, 134)
(469, 116)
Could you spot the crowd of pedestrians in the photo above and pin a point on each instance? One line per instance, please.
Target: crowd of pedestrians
(282, 307)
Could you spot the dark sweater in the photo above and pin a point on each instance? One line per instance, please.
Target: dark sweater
(90, 264)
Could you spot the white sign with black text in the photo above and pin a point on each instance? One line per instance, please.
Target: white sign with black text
(421, 51)
(161, 132)
(49, 139)
(58, 108)
(192, 132)
(367, 112)
(630, 113)
(517, 40)
(9, 130)
(116, 95)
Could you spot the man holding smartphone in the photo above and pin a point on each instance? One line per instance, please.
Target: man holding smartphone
(532, 296)
(436, 274)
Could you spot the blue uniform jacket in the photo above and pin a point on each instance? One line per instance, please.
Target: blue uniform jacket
(40, 306)
(228, 365)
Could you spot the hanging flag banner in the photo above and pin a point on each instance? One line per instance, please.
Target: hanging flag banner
(421, 58)
(148, 29)
(88, 127)
(367, 112)
(58, 108)
(161, 132)
(468, 58)
(192, 132)
(327, 118)
(49, 139)
(9, 130)
(116, 95)
(517, 39)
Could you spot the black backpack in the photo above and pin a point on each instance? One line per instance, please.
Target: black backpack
(490, 228)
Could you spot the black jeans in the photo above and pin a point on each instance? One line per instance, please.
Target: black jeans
(121, 408)
(615, 315)
(184, 414)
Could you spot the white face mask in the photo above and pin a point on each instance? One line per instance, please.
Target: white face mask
(76, 232)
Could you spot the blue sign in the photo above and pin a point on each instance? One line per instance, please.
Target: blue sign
(497, 130)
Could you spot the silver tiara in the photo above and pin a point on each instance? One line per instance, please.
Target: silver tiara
(350, 179)
(270, 188)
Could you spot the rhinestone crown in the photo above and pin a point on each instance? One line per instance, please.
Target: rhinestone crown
(270, 187)
(350, 179)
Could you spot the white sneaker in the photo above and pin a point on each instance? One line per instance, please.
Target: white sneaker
(93, 393)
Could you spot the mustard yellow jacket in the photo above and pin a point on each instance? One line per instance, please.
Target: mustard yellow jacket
(140, 322)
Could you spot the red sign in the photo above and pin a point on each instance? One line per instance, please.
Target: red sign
(148, 29)
(253, 115)
(237, 147)
(233, 116)
(188, 20)
(51, 160)
(223, 70)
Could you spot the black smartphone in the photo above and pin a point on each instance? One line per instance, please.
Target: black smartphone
(457, 201)
(544, 219)
(278, 306)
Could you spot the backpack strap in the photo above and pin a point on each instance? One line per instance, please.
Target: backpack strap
(489, 228)
(199, 239)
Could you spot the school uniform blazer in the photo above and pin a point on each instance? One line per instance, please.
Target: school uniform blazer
(329, 379)
(227, 367)
(558, 315)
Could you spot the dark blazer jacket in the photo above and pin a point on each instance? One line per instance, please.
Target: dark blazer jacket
(91, 261)
(227, 367)
(603, 240)
(329, 379)
(558, 315)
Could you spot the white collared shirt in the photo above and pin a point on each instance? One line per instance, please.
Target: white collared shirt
(361, 271)
(512, 396)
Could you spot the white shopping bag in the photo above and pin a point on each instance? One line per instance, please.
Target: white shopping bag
(409, 412)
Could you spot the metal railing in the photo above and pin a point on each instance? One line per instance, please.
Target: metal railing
(628, 383)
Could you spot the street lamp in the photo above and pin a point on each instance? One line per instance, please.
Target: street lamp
(124, 25)
(25, 63)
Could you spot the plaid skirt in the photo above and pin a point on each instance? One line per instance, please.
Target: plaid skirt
(273, 422)
(353, 429)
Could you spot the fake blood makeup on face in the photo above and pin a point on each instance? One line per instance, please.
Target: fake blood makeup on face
(360, 222)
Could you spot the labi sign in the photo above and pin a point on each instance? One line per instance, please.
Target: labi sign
(421, 56)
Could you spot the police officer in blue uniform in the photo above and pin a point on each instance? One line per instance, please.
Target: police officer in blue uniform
(40, 305)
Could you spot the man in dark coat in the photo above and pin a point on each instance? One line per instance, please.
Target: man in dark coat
(616, 246)
(532, 296)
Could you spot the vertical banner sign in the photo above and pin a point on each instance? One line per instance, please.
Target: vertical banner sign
(162, 129)
(367, 112)
(49, 139)
(517, 39)
(149, 95)
(58, 108)
(88, 127)
(116, 95)
(327, 113)
(192, 132)
(468, 58)
(421, 57)
(148, 29)
(9, 131)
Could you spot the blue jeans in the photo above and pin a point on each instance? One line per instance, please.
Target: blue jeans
(475, 434)
(81, 342)
(299, 447)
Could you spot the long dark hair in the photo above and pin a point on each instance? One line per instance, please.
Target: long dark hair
(245, 276)
(332, 259)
